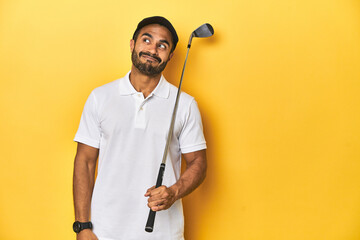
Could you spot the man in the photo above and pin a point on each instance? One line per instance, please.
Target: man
(125, 124)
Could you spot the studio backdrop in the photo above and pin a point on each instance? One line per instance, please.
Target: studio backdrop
(277, 86)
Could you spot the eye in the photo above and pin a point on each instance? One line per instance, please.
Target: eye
(162, 46)
(146, 40)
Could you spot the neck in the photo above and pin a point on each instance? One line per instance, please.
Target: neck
(143, 83)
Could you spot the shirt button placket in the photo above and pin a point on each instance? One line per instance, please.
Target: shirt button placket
(140, 111)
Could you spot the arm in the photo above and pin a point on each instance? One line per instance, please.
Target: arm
(83, 184)
(162, 198)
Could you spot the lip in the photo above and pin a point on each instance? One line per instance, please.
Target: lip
(149, 58)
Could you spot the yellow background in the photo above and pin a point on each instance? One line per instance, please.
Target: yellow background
(277, 85)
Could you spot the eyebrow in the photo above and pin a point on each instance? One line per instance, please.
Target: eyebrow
(164, 41)
(150, 36)
(147, 34)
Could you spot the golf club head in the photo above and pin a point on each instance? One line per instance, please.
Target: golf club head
(205, 30)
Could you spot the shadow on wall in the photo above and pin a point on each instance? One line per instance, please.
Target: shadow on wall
(197, 203)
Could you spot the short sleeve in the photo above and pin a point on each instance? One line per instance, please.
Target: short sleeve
(89, 131)
(192, 138)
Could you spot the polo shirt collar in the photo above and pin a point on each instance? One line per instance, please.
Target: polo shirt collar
(161, 90)
(125, 87)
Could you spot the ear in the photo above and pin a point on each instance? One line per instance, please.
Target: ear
(132, 44)
(171, 55)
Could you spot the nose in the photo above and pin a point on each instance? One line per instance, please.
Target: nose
(153, 49)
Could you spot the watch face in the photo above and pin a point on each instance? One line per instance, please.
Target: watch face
(76, 227)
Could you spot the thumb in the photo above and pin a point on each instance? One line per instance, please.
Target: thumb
(147, 194)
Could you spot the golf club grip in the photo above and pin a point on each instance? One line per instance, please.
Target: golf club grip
(151, 218)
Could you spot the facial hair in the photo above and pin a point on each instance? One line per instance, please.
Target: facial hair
(146, 68)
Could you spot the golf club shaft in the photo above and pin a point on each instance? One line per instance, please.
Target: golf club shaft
(151, 218)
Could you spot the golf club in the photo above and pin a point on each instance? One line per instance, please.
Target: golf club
(205, 30)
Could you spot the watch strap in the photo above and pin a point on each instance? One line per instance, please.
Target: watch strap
(79, 226)
(86, 225)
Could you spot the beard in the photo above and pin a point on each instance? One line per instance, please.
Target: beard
(146, 68)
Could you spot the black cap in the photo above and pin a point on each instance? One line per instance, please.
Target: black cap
(161, 21)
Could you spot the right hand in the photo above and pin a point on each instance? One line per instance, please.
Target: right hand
(86, 234)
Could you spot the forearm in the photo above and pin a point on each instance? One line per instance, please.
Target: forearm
(192, 177)
(83, 184)
(162, 198)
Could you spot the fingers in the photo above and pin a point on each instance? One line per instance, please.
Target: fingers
(159, 208)
(154, 205)
(159, 205)
(154, 191)
(160, 198)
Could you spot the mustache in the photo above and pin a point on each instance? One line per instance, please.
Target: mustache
(150, 55)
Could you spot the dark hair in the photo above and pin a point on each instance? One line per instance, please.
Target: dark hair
(161, 21)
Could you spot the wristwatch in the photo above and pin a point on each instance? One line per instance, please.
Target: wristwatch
(79, 226)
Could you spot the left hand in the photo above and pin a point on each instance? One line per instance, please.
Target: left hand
(160, 198)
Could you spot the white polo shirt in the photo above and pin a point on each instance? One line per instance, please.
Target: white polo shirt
(130, 132)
